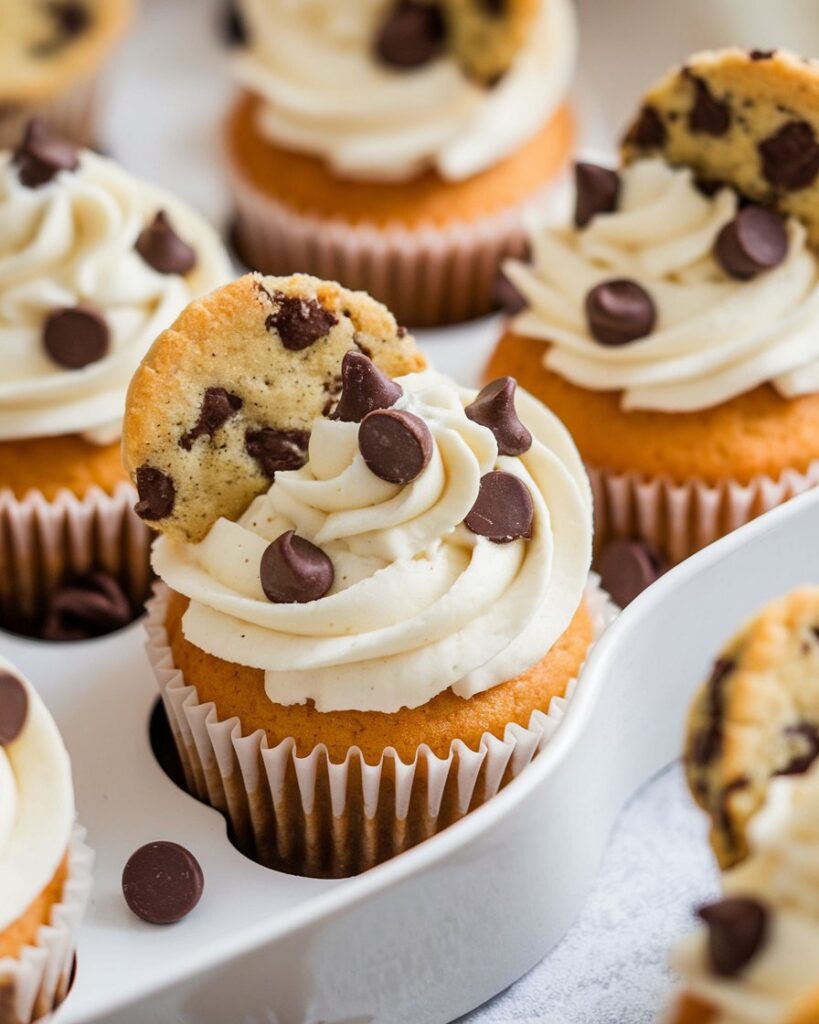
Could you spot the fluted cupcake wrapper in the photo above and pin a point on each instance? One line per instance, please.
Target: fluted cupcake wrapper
(311, 816)
(680, 519)
(426, 276)
(42, 542)
(71, 114)
(36, 982)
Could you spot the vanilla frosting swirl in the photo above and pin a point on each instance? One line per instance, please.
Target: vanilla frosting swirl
(36, 808)
(71, 242)
(326, 94)
(715, 338)
(782, 872)
(419, 603)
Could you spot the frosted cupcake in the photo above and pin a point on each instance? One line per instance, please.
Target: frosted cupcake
(672, 326)
(395, 146)
(45, 868)
(370, 646)
(92, 265)
(51, 54)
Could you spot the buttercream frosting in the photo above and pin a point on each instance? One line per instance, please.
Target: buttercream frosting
(71, 242)
(716, 337)
(325, 93)
(419, 602)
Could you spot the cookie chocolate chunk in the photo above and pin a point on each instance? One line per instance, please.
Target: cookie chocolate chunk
(748, 119)
(755, 718)
(486, 35)
(226, 397)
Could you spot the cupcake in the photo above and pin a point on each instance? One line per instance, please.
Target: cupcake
(357, 650)
(51, 54)
(45, 867)
(755, 959)
(396, 145)
(672, 326)
(92, 265)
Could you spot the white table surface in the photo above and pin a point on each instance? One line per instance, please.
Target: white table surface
(168, 91)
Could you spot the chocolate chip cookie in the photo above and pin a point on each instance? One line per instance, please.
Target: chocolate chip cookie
(227, 395)
(749, 119)
(486, 35)
(756, 717)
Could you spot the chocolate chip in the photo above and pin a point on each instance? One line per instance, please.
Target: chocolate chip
(808, 737)
(218, 406)
(41, 155)
(494, 407)
(161, 248)
(503, 510)
(294, 571)
(76, 336)
(619, 311)
(71, 17)
(234, 31)
(299, 321)
(597, 190)
(755, 240)
(708, 116)
(505, 295)
(411, 35)
(277, 450)
(724, 820)
(707, 743)
(156, 491)
(13, 708)
(737, 928)
(648, 130)
(790, 157)
(363, 388)
(761, 54)
(708, 186)
(162, 882)
(396, 446)
(92, 605)
(627, 567)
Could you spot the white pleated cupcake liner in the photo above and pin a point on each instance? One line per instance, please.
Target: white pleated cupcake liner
(426, 276)
(36, 982)
(42, 542)
(71, 114)
(681, 518)
(311, 816)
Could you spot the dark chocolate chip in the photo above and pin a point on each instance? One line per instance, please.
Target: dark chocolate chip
(396, 446)
(161, 248)
(76, 336)
(619, 311)
(807, 736)
(294, 571)
(234, 31)
(156, 491)
(41, 155)
(494, 407)
(218, 406)
(708, 116)
(299, 321)
(790, 157)
(503, 510)
(724, 820)
(162, 882)
(411, 35)
(761, 54)
(363, 388)
(597, 190)
(277, 450)
(755, 240)
(505, 295)
(92, 605)
(648, 130)
(13, 708)
(708, 186)
(71, 17)
(707, 743)
(737, 929)
(627, 567)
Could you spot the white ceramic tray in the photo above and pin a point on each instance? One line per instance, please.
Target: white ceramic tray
(443, 927)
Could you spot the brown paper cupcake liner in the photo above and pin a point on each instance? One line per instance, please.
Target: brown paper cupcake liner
(42, 542)
(311, 816)
(427, 276)
(71, 114)
(35, 983)
(680, 519)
